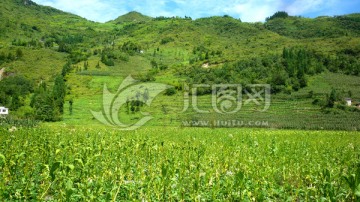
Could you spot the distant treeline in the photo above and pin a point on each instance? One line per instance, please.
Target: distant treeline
(286, 72)
(40, 102)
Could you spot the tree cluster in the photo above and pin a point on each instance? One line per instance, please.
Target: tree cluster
(107, 57)
(286, 72)
(48, 104)
(345, 61)
(135, 103)
(279, 14)
(10, 56)
(130, 47)
(201, 53)
(14, 90)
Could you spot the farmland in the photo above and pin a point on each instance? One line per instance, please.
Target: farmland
(301, 144)
(67, 163)
(286, 111)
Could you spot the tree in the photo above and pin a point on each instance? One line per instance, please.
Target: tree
(49, 105)
(207, 55)
(154, 64)
(279, 14)
(59, 92)
(170, 91)
(106, 60)
(19, 53)
(331, 99)
(11, 57)
(86, 65)
(66, 69)
(45, 109)
(278, 80)
(13, 91)
(302, 78)
(71, 106)
(44, 105)
(98, 65)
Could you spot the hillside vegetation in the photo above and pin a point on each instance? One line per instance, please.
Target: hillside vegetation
(246, 111)
(131, 17)
(312, 65)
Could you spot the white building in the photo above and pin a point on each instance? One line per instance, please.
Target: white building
(4, 111)
(348, 101)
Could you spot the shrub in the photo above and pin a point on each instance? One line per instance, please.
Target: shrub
(170, 91)
(166, 40)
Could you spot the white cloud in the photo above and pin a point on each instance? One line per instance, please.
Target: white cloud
(255, 10)
(95, 10)
(299, 7)
(246, 10)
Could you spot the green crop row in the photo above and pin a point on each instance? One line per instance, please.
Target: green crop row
(178, 164)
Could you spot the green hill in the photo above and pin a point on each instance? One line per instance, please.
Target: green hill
(25, 19)
(131, 17)
(303, 59)
(327, 27)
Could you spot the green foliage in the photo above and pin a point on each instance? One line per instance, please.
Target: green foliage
(66, 69)
(45, 106)
(297, 27)
(290, 53)
(71, 102)
(353, 181)
(124, 57)
(130, 47)
(279, 14)
(201, 53)
(14, 123)
(98, 65)
(68, 43)
(59, 92)
(166, 40)
(19, 53)
(108, 57)
(331, 99)
(10, 57)
(170, 91)
(14, 90)
(86, 65)
(131, 17)
(175, 164)
(107, 61)
(154, 64)
(346, 61)
(49, 104)
(290, 70)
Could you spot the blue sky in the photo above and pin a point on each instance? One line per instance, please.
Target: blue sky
(246, 10)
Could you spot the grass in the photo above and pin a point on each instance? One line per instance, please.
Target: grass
(156, 163)
(294, 111)
(38, 65)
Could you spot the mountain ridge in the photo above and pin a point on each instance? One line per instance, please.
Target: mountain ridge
(132, 16)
